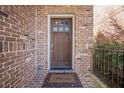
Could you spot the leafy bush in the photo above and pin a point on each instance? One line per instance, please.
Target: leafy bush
(110, 52)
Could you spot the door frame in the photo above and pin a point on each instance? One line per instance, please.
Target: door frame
(49, 35)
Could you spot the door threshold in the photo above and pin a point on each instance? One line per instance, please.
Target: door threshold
(61, 68)
(61, 71)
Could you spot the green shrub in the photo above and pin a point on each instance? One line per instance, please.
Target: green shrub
(110, 52)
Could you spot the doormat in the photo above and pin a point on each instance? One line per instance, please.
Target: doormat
(62, 80)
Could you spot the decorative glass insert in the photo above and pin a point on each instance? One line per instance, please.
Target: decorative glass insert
(61, 29)
(56, 22)
(55, 29)
(61, 24)
(66, 29)
(66, 23)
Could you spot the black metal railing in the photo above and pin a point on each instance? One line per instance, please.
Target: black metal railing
(108, 66)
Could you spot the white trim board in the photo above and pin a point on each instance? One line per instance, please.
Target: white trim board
(73, 30)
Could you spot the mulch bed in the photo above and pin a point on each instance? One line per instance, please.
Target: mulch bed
(62, 80)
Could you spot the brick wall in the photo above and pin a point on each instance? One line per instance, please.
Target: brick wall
(83, 35)
(24, 37)
(17, 45)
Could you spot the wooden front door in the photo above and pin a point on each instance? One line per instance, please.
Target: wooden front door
(61, 43)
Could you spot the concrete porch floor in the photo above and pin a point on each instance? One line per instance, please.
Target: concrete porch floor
(85, 78)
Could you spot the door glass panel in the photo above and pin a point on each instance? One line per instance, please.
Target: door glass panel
(55, 29)
(66, 29)
(61, 23)
(56, 22)
(66, 23)
(61, 29)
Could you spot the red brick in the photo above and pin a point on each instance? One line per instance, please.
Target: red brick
(11, 70)
(15, 35)
(1, 85)
(3, 69)
(1, 17)
(1, 65)
(9, 21)
(1, 46)
(1, 76)
(1, 28)
(14, 27)
(15, 46)
(4, 24)
(19, 40)
(10, 39)
(7, 86)
(5, 74)
(10, 54)
(5, 46)
(10, 30)
(9, 80)
(1, 38)
(14, 73)
(4, 33)
(9, 63)
(21, 21)
(11, 46)
(2, 60)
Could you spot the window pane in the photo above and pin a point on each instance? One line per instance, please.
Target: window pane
(61, 29)
(56, 22)
(61, 23)
(55, 28)
(66, 23)
(66, 29)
